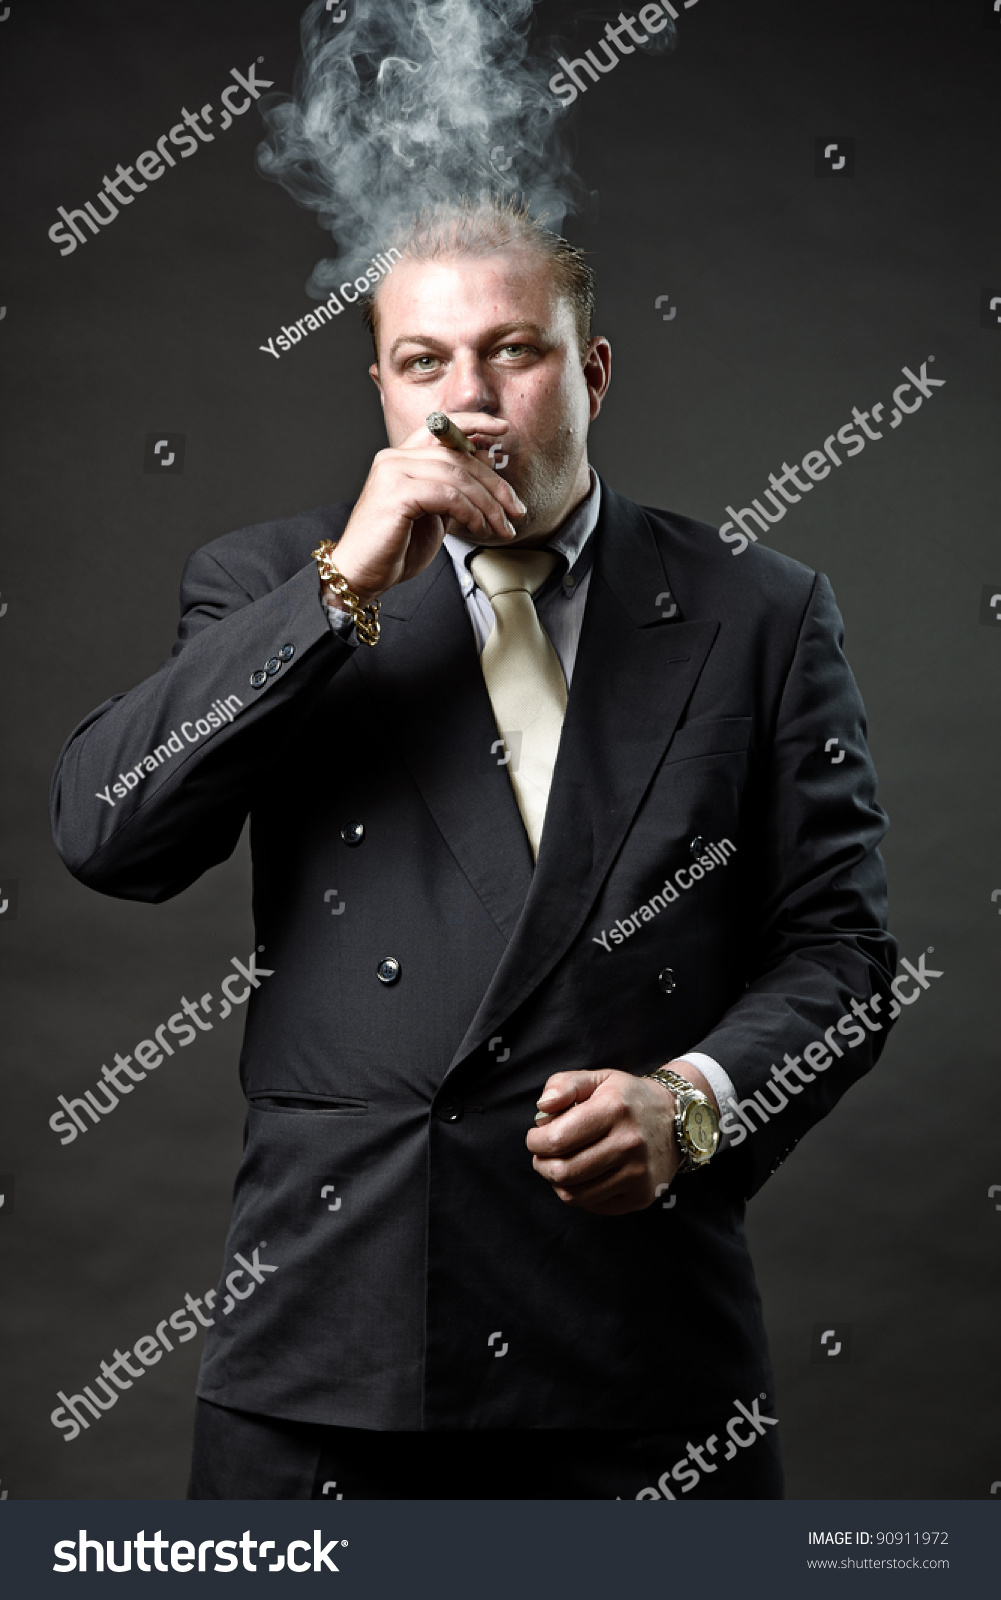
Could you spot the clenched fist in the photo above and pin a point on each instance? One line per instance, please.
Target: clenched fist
(608, 1145)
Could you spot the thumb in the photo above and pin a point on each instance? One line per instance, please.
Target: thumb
(565, 1089)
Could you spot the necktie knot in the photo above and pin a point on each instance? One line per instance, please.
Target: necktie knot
(510, 571)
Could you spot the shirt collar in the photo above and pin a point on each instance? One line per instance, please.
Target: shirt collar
(569, 540)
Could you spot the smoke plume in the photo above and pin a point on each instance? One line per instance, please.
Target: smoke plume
(401, 104)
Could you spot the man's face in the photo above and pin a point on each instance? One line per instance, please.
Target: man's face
(491, 334)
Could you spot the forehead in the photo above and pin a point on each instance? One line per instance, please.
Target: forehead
(454, 298)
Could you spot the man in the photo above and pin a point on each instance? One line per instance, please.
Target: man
(577, 807)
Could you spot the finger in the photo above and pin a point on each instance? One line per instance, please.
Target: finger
(621, 1178)
(440, 487)
(608, 1187)
(468, 505)
(585, 1166)
(575, 1129)
(473, 422)
(564, 1089)
(591, 1198)
(475, 478)
(489, 444)
(439, 457)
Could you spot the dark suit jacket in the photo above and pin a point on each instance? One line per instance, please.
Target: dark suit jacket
(706, 718)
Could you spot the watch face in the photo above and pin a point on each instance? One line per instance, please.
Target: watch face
(701, 1129)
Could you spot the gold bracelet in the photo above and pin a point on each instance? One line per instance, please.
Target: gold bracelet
(364, 617)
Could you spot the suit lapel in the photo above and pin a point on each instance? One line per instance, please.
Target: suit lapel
(426, 676)
(634, 674)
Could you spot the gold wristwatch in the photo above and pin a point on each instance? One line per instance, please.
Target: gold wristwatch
(696, 1125)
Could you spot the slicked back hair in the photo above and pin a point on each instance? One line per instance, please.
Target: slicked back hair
(478, 227)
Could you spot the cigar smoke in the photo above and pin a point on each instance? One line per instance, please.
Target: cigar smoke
(401, 104)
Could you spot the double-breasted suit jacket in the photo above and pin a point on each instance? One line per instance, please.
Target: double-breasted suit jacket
(451, 1288)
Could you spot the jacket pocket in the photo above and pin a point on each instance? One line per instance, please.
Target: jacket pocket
(711, 737)
(327, 1105)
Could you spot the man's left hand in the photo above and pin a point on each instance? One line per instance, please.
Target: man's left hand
(609, 1146)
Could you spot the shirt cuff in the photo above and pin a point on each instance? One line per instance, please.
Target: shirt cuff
(341, 623)
(718, 1081)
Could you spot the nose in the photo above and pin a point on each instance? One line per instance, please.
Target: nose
(469, 386)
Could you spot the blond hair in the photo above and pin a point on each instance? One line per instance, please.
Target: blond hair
(474, 228)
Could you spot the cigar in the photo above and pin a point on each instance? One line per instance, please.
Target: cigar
(446, 432)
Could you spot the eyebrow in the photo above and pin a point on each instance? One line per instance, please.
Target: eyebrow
(492, 337)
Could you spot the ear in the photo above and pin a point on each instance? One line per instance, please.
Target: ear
(373, 373)
(597, 372)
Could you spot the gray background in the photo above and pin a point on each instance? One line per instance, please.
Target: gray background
(797, 297)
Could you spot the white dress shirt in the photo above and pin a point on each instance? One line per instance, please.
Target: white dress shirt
(560, 606)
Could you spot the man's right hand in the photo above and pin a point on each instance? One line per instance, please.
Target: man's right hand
(399, 521)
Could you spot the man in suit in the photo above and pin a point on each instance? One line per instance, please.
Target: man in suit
(564, 759)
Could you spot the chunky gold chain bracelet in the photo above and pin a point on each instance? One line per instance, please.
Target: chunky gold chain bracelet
(364, 617)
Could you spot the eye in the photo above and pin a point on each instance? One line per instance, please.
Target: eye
(423, 363)
(514, 350)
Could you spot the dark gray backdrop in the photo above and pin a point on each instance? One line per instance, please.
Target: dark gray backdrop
(797, 297)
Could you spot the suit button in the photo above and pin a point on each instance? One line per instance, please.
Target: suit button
(388, 970)
(272, 665)
(287, 651)
(353, 832)
(258, 679)
(696, 847)
(449, 1111)
(667, 981)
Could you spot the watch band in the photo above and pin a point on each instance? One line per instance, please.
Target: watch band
(686, 1094)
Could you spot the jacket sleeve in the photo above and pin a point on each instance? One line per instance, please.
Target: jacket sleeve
(818, 933)
(154, 786)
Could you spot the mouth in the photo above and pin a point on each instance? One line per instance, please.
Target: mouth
(498, 452)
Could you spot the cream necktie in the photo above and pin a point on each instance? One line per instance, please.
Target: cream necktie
(523, 676)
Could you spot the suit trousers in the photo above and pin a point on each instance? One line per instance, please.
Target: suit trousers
(239, 1455)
